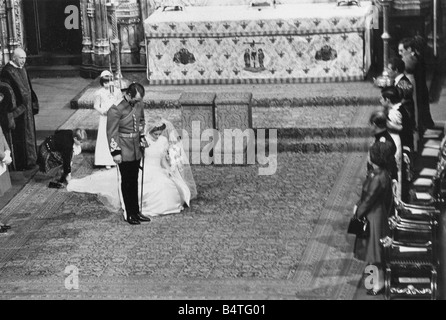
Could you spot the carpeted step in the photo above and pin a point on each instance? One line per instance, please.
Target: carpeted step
(323, 128)
(287, 95)
(323, 121)
(358, 144)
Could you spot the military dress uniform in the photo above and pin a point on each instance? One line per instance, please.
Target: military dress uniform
(125, 134)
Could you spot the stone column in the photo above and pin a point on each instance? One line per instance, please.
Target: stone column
(91, 13)
(12, 13)
(3, 34)
(98, 36)
(128, 15)
(102, 47)
(146, 10)
(86, 35)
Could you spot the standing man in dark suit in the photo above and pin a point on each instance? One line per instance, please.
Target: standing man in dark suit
(24, 134)
(126, 138)
(396, 68)
(412, 52)
(408, 135)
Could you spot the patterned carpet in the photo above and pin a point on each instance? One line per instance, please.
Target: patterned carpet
(241, 238)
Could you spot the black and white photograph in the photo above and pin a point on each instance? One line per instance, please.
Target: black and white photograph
(221, 155)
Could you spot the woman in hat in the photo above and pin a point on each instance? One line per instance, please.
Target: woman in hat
(375, 205)
(106, 96)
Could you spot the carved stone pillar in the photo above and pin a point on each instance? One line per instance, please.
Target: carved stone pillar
(146, 10)
(128, 15)
(98, 36)
(12, 14)
(19, 26)
(3, 34)
(91, 13)
(101, 45)
(87, 59)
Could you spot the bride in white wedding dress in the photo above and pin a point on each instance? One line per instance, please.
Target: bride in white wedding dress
(168, 183)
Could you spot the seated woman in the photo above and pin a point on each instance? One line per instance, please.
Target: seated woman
(167, 183)
(58, 150)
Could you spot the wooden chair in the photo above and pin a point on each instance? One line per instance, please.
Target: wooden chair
(410, 270)
(410, 256)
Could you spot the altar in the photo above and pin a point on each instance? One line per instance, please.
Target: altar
(308, 42)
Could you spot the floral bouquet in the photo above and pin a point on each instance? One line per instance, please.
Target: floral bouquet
(175, 157)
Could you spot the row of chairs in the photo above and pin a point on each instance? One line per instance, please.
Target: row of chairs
(411, 250)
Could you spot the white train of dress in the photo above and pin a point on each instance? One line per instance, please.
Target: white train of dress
(163, 192)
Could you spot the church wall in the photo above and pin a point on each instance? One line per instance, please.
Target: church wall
(98, 50)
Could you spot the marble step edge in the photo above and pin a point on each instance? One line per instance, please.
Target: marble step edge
(283, 134)
(294, 145)
(329, 123)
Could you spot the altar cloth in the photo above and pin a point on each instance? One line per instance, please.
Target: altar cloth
(232, 44)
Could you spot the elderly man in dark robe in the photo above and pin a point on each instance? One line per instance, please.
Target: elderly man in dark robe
(24, 134)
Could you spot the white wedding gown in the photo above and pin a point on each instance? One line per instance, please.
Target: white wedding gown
(162, 194)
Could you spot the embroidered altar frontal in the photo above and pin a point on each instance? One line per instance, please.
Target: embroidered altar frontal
(240, 44)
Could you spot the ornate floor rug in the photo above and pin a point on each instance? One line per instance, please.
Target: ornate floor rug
(245, 237)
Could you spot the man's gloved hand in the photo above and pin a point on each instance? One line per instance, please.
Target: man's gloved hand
(143, 142)
(7, 160)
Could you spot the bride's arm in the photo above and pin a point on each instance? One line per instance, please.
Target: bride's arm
(165, 161)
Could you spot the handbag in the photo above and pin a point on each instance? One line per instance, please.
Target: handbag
(359, 227)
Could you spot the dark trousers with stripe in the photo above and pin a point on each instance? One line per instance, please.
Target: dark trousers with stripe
(129, 186)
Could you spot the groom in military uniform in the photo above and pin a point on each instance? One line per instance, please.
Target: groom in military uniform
(125, 134)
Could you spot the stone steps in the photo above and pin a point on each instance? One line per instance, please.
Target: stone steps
(322, 117)
(356, 144)
(300, 129)
(279, 95)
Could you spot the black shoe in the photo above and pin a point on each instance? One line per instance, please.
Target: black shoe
(5, 226)
(143, 218)
(56, 185)
(133, 220)
(3, 230)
